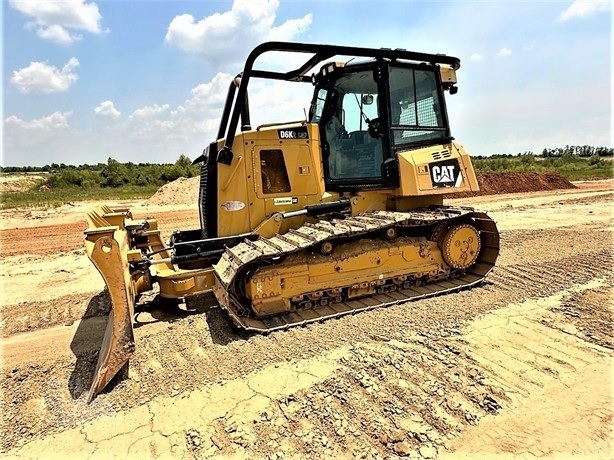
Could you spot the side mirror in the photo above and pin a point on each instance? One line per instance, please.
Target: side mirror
(367, 99)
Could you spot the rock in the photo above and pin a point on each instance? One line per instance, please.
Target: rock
(380, 338)
(217, 441)
(396, 435)
(403, 449)
(428, 452)
(231, 427)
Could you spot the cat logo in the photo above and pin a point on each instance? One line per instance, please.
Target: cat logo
(446, 174)
(443, 174)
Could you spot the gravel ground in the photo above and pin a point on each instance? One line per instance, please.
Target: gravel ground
(467, 374)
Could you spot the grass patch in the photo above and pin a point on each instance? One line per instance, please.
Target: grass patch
(591, 174)
(57, 197)
(570, 166)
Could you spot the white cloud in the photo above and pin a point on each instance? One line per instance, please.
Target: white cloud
(29, 142)
(233, 33)
(291, 101)
(40, 77)
(149, 111)
(582, 9)
(190, 126)
(476, 57)
(291, 28)
(57, 120)
(504, 52)
(58, 34)
(52, 19)
(107, 109)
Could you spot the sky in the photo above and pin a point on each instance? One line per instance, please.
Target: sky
(146, 81)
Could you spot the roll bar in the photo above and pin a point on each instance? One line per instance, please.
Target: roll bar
(237, 104)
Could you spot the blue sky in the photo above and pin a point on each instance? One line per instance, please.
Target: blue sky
(145, 81)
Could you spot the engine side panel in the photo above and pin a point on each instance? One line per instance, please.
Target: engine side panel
(274, 169)
(436, 170)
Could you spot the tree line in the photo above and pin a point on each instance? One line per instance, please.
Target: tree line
(154, 173)
(579, 150)
(583, 151)
(112, 173)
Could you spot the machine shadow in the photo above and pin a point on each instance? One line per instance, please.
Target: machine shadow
(88, 338)
(86, 343)
(220, 327)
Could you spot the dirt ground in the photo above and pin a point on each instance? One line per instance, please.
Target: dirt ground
(520, 367)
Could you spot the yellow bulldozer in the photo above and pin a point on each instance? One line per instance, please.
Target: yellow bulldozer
(312, 219)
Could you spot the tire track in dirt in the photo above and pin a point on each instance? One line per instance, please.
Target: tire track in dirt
(189, 350)
(51, 239)
(526, 355)
(415, 395)
(43, 240)
(64, 310)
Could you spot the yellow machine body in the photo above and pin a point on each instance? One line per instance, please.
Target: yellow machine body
(301, 222)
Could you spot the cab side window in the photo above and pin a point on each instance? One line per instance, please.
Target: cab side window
(273, 171)
(415, 106)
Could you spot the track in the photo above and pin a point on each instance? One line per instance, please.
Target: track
(242, 258)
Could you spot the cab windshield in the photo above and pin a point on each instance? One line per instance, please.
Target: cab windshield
(363, 122)
(344, 112)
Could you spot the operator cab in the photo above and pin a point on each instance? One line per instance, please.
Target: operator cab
(369, 111)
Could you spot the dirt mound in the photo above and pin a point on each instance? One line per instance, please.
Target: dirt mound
(19, 182)
(515, 182)
(180, 191)
(185, 191)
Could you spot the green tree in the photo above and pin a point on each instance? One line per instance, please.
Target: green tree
(185, 166)
(114, 174)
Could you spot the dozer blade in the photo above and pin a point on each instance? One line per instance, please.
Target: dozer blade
(130, 256)
(107, 248)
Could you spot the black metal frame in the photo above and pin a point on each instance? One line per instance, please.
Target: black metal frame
(237, 104)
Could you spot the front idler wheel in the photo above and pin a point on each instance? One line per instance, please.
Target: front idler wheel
(461, 245)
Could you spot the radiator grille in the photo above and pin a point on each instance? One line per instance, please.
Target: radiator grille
(202, 198)
(441, 155)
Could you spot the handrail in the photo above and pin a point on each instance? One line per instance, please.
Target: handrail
(283, 123)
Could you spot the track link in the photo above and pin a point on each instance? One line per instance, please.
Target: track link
(239, 262)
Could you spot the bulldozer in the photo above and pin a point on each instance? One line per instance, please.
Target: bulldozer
(302, 221)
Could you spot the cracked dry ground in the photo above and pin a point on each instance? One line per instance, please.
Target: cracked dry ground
(520, 367)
